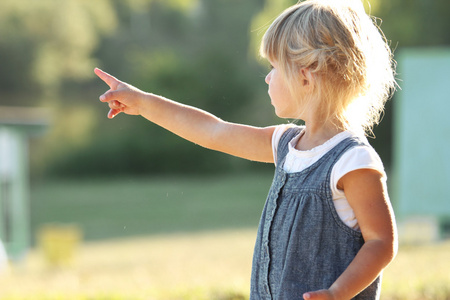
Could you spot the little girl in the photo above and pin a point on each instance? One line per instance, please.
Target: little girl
(327, 229)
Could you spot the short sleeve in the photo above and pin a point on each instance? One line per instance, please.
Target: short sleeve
(276, 136)
(359, 157)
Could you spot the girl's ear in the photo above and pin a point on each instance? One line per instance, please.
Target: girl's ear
(307, 80)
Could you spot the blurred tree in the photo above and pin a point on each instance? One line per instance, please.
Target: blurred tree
(43, 43)
(46, 46)
(416, 22)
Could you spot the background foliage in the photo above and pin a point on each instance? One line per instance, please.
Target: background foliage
(199, 52)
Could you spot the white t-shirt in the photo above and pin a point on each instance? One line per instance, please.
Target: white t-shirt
(358, 157)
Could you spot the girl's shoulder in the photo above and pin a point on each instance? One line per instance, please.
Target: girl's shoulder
(281, 129)
(359, 157)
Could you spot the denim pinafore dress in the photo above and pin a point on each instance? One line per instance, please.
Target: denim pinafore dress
(302, 245)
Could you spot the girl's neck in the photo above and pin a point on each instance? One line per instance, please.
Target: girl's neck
(316, 135)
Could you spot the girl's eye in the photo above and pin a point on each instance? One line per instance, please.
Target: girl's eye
(271, 67)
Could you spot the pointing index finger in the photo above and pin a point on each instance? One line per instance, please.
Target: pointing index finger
(108, 79)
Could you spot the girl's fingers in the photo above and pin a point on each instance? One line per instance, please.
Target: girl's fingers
(110, 96)
(103, 96)
(108, 79)
(114, 104)
(319, 295)
(113, 112)
(115, 108)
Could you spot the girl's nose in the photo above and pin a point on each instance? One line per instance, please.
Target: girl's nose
(268, 78)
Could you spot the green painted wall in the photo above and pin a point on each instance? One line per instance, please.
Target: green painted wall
(422, 134)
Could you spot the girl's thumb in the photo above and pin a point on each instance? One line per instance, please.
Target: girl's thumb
(306, 296)
(320, 294)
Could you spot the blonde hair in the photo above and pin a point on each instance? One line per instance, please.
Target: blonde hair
(345, 52)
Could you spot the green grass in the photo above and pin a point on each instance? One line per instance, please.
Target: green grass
(419, 272)
(140, 206)
(202, 266)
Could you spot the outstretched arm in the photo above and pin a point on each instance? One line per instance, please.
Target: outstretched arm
(190, 123)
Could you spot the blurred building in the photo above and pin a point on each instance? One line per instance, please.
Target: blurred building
(422, 143)
(17, 124)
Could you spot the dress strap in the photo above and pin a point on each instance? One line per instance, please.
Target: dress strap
(283, 144)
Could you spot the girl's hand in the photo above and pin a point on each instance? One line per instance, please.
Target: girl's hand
(121, 96)
(318, 295)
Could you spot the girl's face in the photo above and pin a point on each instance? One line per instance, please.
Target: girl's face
(281, 98)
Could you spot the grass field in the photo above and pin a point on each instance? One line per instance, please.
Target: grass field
(140, 206)
(176, 238)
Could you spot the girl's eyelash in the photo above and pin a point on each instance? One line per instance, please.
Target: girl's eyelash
(271, 67)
